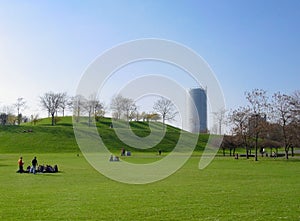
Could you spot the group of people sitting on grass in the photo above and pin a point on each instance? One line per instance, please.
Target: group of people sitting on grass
(114, 158)
(35, 168)
(123, 153)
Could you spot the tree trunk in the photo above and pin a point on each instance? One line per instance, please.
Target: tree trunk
(256, 154)
(292, 149)
(19, 118)
(53, 119)
(256, 146)
(89, 123)
(224, 152)
(287, 154)
(78, 113)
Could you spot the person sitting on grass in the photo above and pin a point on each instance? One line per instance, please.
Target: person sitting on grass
(55, 168)
(116, 158)
(28, 169)
(41, 168)
(49, 169)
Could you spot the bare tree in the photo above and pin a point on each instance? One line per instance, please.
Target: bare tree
(165, 108)
(3, 118)
(99, 110)
(89, 105)
(20, 104)
(220, 116)
(295, 103)
(133, 113)
(294, 126)
(129, 108)
(34, 119)
(7, 116)
(76, 104)
(51, 102)
(229, 142)
(282, 111)
(122, 107)
(64, 102)
(116, 107)
(258, 106)
(143, 115)
(93, 107)
(240, 121)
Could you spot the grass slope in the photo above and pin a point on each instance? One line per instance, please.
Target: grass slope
(42, 139)
(45, 138)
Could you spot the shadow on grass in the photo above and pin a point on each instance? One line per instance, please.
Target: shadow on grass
(50, 174)
(45, 174)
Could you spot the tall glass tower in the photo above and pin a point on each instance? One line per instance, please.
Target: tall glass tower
(197, 110)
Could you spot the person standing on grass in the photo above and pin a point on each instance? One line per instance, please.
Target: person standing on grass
(20, 163)
(34, 164)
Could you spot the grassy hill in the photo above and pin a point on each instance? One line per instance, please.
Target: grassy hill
(44, 138)
(40, 138)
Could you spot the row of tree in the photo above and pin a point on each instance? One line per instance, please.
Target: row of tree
(121, 108)
(264, 122)
(126, 108)
(81, 106)
(7, 116)
(53, 103)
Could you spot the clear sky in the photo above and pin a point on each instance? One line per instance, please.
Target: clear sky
(47, 45)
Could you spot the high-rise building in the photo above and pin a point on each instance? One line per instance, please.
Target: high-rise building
(197, 110)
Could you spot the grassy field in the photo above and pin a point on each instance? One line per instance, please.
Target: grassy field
(227, 189)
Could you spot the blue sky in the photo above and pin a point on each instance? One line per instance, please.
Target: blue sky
(47, 45)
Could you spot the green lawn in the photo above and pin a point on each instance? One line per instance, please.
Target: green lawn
(227, 189)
